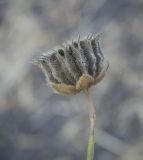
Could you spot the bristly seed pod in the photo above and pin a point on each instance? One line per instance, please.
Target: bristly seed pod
(74, 67)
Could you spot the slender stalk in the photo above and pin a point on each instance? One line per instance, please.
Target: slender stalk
(90, 149)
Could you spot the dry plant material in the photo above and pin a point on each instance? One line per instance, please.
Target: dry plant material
(75, 67)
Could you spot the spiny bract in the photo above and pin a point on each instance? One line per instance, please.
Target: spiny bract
(74, 66)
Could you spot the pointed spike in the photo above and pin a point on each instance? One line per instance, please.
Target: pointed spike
(72, 41)
(88, 36)
(67, 45)
(34, 61)
(78, 40)
(99, 49)
(91, 36)
(42, 57)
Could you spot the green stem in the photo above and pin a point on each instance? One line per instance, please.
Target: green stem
(90, 149)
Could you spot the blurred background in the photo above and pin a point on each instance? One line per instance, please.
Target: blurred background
(37, 124)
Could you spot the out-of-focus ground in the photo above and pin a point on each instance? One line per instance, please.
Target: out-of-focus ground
(37, 124)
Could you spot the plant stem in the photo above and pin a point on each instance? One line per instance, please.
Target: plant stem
(90, 149)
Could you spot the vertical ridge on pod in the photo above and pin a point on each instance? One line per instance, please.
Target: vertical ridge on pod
(56, 68)
(79, 59)
(85, 49)
(61, 57)
(47, 70)
(71, 63)
(97, 54)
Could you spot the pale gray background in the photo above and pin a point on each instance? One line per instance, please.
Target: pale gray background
(35, 123)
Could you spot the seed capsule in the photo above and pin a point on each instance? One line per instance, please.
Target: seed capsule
(75, 66)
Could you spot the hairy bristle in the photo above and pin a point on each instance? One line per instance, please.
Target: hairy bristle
(66, 64)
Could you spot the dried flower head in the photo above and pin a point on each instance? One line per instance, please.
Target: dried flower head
(73, 67)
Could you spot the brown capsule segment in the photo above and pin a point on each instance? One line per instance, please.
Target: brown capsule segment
(84, 82)
(64, 89)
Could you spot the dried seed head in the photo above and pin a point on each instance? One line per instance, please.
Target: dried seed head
(75, 66)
